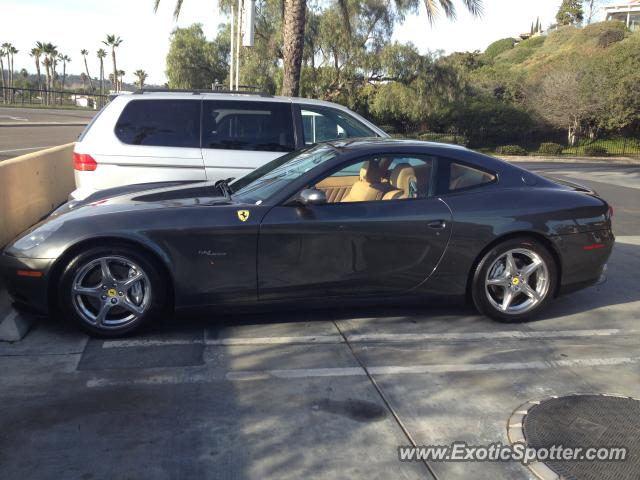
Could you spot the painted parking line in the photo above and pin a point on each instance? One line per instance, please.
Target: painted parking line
(429, 369)
(227, 341)
(471, 336)
(373, 338)
(186, 377)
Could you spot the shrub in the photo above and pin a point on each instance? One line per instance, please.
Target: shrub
(595, 151)
(550, 148)
(533, 42)
(511, 150)
(444, 138)
(390, 129)
(498, 47)
(609, 37)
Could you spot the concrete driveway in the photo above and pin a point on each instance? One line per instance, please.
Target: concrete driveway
(321, 394)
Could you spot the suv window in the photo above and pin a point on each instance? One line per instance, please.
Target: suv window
(233, 125)
(166, 123)
(324, 124)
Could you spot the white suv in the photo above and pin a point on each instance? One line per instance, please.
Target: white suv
(168, 136)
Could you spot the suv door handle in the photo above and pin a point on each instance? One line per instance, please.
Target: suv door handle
(437, 224)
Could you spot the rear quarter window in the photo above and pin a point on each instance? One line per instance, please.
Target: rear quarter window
(167, 123)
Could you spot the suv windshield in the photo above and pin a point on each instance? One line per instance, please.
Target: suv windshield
(275, 175)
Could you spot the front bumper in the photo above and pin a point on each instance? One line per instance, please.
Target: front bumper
(27, 280)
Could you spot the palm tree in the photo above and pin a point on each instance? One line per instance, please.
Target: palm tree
(48, 50)
(101, 54)
(142, 76)
(54, 64)
(36, 52)
(4, 91)
(294, 11)
(121, 81)
(64, 59)
(83, 77)
(84, 52)
(113, 42)
(6, 50)
(46, 62)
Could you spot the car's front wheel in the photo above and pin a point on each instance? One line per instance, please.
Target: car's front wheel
(111, 291)
(514, 280)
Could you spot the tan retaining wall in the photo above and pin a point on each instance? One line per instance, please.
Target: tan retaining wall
(31, 186)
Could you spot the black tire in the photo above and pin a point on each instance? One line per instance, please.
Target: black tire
(157, 292)
(480, 296)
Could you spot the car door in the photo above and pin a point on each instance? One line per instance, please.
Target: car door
(239, 136)
(385, 242)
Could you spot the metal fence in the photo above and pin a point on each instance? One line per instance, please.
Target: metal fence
(549, 143)
(52, 98)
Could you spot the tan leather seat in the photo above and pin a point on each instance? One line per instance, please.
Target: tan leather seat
(404, 182)
(370, 186)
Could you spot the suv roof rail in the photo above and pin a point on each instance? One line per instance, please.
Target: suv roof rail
(198, 91)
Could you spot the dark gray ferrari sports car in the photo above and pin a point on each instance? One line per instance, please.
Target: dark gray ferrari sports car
(347, 221)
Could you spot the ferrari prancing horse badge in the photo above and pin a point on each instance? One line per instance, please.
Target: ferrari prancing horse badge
(243, 215)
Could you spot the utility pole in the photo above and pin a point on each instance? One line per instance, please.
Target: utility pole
(233, 17)
(240, 37)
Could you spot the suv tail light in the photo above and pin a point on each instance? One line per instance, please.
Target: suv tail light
(84, 162)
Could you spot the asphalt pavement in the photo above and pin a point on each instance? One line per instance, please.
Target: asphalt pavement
(317, 394)
(26, 130)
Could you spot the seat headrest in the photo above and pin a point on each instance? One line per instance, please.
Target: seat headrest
(370, 172)
(401, 175)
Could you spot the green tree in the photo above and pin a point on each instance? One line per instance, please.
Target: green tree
(193, 61)
(294, 23)
(570, 12)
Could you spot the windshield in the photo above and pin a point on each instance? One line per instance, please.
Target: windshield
(277, 174)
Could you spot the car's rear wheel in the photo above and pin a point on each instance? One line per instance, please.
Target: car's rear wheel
(111, 291)
(514, 280)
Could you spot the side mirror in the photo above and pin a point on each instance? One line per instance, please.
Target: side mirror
(312, 196)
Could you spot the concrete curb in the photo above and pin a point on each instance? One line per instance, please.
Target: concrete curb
(14, 327)
(589, 160)
(44, 124)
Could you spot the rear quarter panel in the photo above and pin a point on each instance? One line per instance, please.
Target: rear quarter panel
(566, 220)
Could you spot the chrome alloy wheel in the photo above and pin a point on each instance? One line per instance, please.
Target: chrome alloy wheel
(517, 281)
(111, 292)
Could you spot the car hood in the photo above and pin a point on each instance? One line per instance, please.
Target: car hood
(145, 196)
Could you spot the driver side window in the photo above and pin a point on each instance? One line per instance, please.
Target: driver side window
(379, 179)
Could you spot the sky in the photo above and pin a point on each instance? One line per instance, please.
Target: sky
(76, 24)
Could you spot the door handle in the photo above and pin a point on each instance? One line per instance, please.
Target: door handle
(437, 224)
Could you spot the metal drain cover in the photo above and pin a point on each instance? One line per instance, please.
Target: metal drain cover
(587, 421)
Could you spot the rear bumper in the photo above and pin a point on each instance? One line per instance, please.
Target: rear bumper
(29, 287)
(584, 258)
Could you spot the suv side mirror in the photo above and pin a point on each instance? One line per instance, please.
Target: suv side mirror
(312, 196)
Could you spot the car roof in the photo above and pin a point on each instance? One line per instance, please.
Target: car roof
(235, 96)
(390, 144)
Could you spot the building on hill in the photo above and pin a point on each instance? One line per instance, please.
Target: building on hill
(629, 13)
